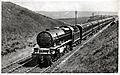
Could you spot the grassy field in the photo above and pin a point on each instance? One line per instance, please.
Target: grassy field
(98, 56)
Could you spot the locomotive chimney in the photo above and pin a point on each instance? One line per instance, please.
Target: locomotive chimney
(75, 17)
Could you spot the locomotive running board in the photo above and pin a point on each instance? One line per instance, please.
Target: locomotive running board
(61, 44)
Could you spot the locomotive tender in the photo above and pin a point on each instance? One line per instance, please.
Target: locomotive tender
(51, 44)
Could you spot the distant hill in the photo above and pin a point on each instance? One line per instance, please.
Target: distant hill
(71, 14)
(72, 20)
(81, 20)
(20, 24)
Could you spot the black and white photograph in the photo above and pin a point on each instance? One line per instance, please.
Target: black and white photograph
(59, 36)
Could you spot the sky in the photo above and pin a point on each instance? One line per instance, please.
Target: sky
(71, 5)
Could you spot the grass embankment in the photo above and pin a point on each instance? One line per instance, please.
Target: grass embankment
(20, 26)
(99, 55)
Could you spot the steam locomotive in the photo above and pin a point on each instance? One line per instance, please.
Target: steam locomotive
(51, 44)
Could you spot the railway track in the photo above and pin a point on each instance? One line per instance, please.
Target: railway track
(25, 69)
(19, 68)
(15, 65)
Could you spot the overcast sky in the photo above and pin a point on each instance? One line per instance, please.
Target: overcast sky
(71, 5)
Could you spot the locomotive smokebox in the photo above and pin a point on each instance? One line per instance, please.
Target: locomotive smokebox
(44, 40)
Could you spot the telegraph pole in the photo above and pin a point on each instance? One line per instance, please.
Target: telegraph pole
(75, 17)
(93, 14)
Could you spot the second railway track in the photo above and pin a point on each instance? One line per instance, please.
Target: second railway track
(16, 65)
